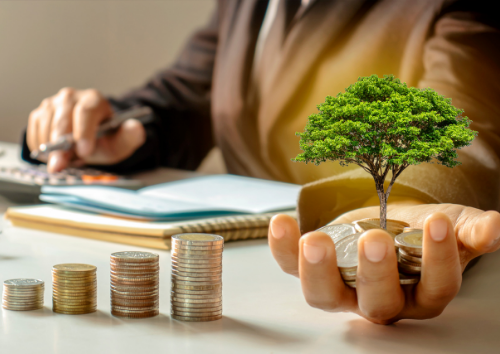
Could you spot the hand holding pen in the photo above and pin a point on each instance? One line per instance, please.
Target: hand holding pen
(79, 126)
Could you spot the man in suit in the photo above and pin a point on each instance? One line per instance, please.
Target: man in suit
(247, 82)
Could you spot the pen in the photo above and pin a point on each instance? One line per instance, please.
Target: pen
(66, 142)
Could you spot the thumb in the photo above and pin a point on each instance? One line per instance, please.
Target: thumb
(120, 145)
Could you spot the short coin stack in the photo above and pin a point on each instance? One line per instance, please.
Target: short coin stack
(23, 294)
(410, 251)
(345, 238)
(74, 289)
(135, 284)
(197, 277)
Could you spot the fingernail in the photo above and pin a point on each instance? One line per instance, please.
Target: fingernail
(438, 229)
(375, 251)
(52, 164)
(276, 230)
(83, 148)
(314, 254)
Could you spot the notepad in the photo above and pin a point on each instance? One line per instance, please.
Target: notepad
(198, 197)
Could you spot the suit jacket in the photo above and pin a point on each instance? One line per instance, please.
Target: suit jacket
(206, 99)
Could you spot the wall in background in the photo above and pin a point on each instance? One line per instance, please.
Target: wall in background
(109, 45)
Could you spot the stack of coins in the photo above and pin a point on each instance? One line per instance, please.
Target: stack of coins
(74, 289)
(197, 277)
(23, 294)
(410, 251)
(135, 278)
(345, 238)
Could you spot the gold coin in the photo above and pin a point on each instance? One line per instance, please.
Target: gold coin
(72, 268)
(196, 319)
(411, 229)
(394, 227)
(348, 277)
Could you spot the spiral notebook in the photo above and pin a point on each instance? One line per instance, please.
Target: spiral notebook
(151, 234)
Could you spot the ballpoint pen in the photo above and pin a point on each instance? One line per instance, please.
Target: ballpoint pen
(66, 142)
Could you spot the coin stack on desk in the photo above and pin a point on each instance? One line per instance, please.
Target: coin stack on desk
(74, 289)
(410, 251)
(135, 284)
(346, 236)
(196, 277)
(23, 294)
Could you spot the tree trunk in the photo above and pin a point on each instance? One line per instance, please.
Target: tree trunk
(383, 204)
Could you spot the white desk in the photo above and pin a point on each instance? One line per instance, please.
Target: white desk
(264, 311)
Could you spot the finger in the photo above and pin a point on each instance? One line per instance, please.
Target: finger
(380, 297)
(284, 235)
(441, 274)
(32, 130)
(120, 145)
(45, 121)
(322, 284)
(479, 231)
(61, 125)
(92, 108)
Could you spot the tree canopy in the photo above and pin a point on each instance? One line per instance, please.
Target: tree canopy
(382, 125)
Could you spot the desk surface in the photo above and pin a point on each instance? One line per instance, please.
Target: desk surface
(264, 311)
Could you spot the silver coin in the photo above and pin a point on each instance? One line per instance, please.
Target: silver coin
(130, 256)
(411, 242)
(347, 251)
(195, 301)
(23, 282)
(196, 309)
(190, 305)
(403, 254)
(195, 296)
(215, 278)
(195, 274)
(338, 231)
(196, 314)
(197, 239)
(405, 279)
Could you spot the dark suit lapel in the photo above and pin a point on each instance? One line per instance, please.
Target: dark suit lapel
(312, 32)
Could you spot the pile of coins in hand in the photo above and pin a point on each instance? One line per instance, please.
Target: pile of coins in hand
(74, 289)
(135, 284)
(23, 294)
(407, 240)
(196, 277)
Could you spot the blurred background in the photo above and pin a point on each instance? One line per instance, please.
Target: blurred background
(110, 45)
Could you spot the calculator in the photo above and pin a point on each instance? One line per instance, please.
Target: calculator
(28, 180)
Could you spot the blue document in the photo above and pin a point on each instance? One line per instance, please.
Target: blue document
(205, 196)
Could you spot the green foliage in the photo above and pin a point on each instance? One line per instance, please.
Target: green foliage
(382, 124)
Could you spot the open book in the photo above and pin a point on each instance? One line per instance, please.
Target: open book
(199, 197)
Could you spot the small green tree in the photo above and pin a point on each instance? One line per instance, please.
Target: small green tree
(382, 125)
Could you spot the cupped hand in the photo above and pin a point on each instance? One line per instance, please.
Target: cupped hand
(80, 112)
(453, 236)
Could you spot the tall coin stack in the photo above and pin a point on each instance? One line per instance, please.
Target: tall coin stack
(410, 251)
(74, 289)
(23, 294)
(196, 277)
(135, 284)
